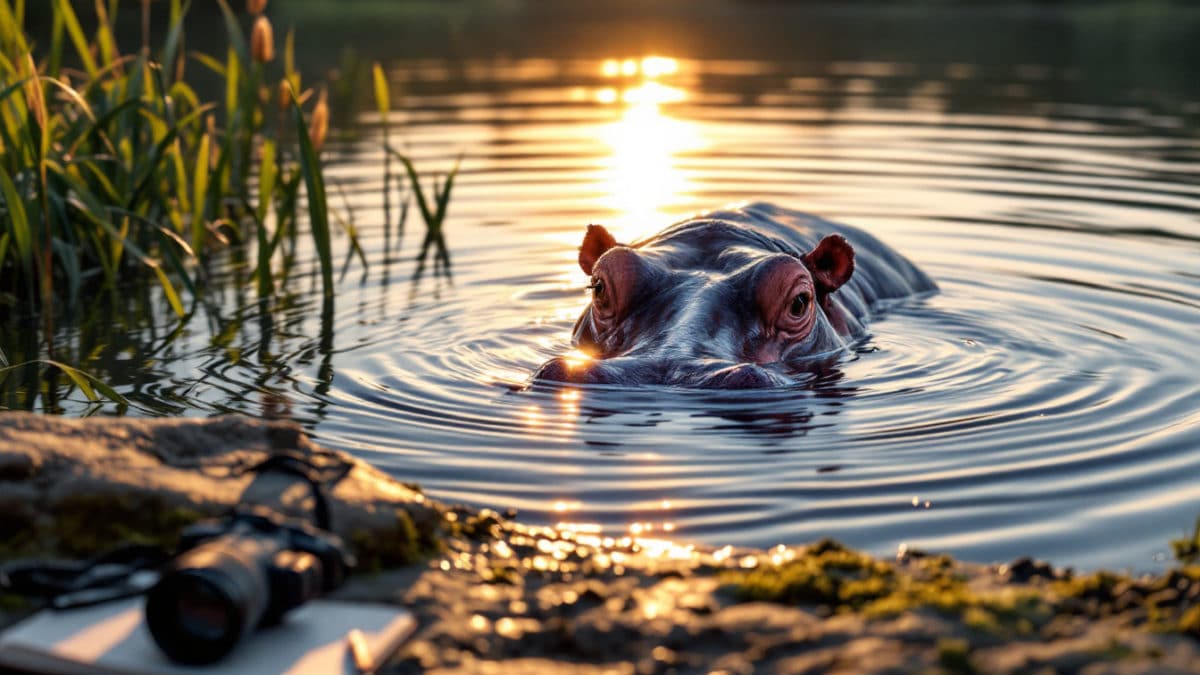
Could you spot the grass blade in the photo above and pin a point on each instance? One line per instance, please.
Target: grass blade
(169, 291)
(416, 185)
(75, 32)
(87, 383)
(22, 232)
(78, 378)
(266, 189)
(200, 192)
(318, 209)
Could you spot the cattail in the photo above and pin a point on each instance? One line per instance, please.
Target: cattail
(256, 7)
(285, 95)
(262, 41)
(34, 96)
(320, 123)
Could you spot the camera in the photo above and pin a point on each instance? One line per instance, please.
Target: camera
(237, 574)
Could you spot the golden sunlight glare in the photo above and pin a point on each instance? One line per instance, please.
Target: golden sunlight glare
(641, 178)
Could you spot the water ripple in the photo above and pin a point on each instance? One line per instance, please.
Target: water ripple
(1044, 401)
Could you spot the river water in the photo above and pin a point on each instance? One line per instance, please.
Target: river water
(1045, 402)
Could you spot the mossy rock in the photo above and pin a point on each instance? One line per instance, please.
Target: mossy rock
(847, 581)
(402, 544)
(83, 526)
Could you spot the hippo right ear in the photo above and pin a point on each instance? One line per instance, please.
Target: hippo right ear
(595, 243)
(831, 263)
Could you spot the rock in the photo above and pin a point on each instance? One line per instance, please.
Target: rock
(1022, 570)
(103, 481)
(17, 464)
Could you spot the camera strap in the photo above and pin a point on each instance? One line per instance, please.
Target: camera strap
(311, 474)
(120, 573)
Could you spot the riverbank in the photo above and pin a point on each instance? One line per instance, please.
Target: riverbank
(493, 595)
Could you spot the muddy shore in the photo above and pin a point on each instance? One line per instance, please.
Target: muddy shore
(493, 595)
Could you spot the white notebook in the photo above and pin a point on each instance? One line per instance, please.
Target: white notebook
(112, 639)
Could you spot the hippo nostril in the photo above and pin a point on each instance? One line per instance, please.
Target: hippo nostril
(643, 371)
(743, 376)
(573, 371)
(557, 370)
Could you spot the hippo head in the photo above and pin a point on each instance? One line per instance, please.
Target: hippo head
(708, 306)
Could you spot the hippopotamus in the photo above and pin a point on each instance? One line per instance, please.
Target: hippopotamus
(732, 299)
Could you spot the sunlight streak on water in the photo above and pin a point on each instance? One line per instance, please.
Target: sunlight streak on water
(643, 175)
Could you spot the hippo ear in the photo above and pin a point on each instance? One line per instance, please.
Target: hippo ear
(831, 263)
(595, 243)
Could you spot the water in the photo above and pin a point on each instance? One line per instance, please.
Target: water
(1046, 401)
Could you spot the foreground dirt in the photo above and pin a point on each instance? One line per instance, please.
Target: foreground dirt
(492, 595)
(535, 600)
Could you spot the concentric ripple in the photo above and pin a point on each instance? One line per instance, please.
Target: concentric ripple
(1046, 401)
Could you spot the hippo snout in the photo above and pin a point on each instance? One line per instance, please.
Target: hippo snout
(630, 370)
(742, 376)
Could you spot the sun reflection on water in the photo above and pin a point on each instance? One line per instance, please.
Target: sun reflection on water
(642, 178)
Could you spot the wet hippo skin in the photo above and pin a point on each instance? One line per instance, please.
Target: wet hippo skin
(739, 298)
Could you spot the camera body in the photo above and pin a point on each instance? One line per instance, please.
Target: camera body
(236, 574)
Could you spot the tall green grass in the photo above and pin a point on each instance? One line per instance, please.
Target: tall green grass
(115, 171)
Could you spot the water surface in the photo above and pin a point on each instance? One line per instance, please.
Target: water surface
(1046, 401)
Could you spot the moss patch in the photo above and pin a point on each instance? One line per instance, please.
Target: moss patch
(402, 544)
(1187, 549)
(827, 574)
(845, 581)
(86, 525)
(1190, 622)
(18, 531)
(954, 656)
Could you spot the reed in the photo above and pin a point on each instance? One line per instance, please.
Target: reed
(116, 171)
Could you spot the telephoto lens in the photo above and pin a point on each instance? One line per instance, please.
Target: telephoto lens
(222, 589)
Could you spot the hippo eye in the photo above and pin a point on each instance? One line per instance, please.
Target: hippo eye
(800, 304)
(597, 287)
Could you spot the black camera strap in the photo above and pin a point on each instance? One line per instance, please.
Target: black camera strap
(302, 468)
(120, 573)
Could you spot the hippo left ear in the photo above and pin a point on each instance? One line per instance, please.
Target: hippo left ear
(831, 263)
(595, 243)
